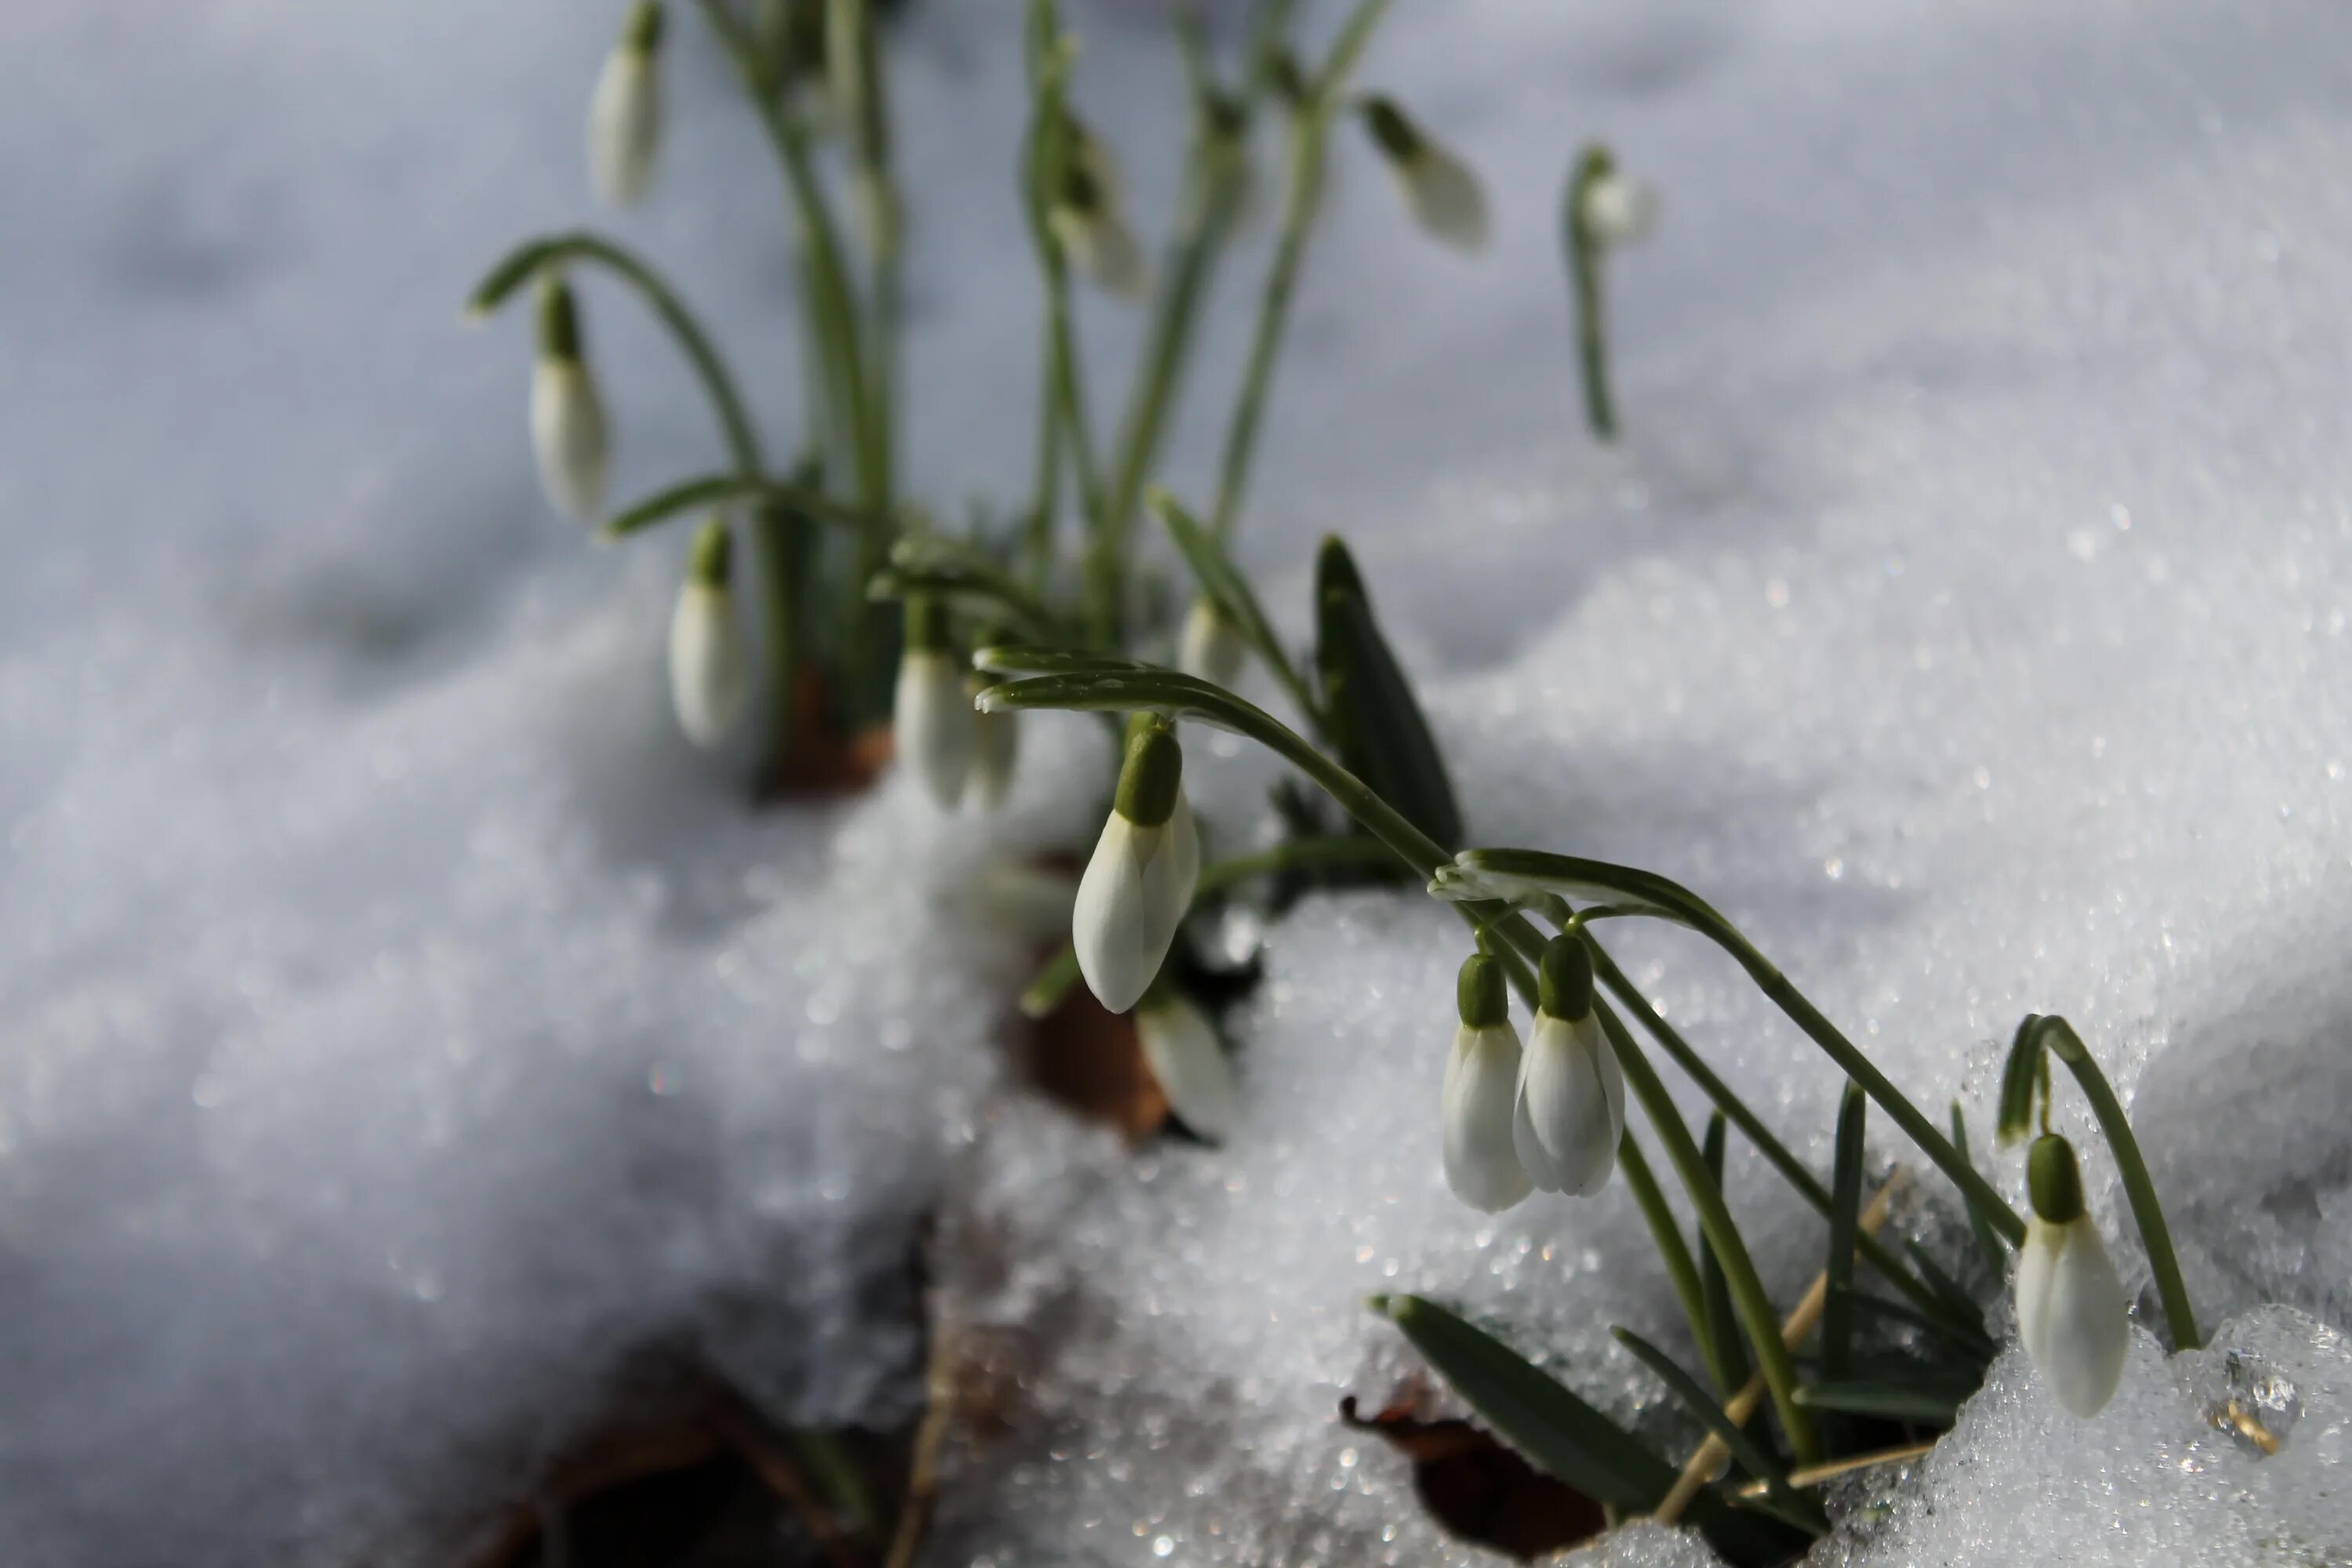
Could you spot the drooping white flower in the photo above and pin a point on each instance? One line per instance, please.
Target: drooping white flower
(1185, 1055)
(1210, 648)
(995, 746)
(1438, 189)
(2071, 1312)
(1617, 208)
(1089, 223)
(624, 116)
(931, 714)
(1481, 1097)
(709, 667)
(1139, 885)
(1569, 1112)
(568, 433)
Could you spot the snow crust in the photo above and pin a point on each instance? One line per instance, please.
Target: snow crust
(399, 1026)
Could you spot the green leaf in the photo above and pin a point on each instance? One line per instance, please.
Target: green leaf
(1845, 1224)
(1988, 1238)
(1727, 1357)
(1957, 1302)
(1979, 1349)
(1053, 982)
(1059, 664)
(1801, 1513)
(1921, 1404)
(2018, 1076)
(950, 570)
(1369, 710)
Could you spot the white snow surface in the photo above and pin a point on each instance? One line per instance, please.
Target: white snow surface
(399, 1027)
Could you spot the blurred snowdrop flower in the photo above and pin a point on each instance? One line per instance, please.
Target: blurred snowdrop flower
(1618, 209)
(624, 117)
(1140, 883)
(568, 433)
(1089, 223)
(1570, 1109)
(1185, 1055)
(1210, 648)
(995, 747)
(710, 669)
(1440, 192)
(932, 721)
(1481, 1097)
(2071, 1313)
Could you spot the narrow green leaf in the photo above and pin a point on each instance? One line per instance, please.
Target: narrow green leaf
(2018, 1076)
(1845, 1224)
(1988, 1238)
(1372, 719)
(1895, 1402)
(1053, 982)
(1681, 1271)
(1977, 1347)
(1053, 664)
(1727, 1357)
(1802, 1513)
(1957, 1302)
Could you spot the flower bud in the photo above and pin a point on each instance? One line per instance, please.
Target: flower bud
(1089, 224)
(1440, 192)
(1184, 1055)
(1569, 1112)
(1480, 1098)
(624, 117)
(931, 714)
(568, 435)
(1210, 648)
(1139, 885)
(709, 668)
(2071, 1312)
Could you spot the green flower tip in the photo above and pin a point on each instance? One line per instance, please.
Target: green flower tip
(926, 623)
(643, 31)
(2052, 1179)
(559, 318)
(712, 557)
(1478, 993)
(1564, 978)
(1153, 777)
(1392, 128)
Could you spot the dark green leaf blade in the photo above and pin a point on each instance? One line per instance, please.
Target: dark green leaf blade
(1375, 723)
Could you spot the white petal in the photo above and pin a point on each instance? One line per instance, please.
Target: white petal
(625, 126)
(1100, 245)
(709, 669)
(1107, 925)
(931, 721)
(1563, 1109)
(1209, 649)
(1620, 209)
(996, 744)
(568, 437)
(1445, 197)
(2071, 1313)
(1185, 1055)
(1480, 1102)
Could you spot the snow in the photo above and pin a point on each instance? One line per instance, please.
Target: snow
(399, 1027)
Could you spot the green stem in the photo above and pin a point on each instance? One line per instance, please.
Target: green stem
(1749, 1299)
(1682, 1271)
(528, 260)
(1291, 855)
(2138, 1186)
(1584, 256)
(1310, 137)
(1046, 491)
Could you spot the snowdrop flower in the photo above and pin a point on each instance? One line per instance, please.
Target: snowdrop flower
(567, 417)
(709, 669)
(1089, 224)
(1186, 1057)
(2071, 1312)
(1570, 1114)
(932, 716)
(1140, 883)
(1443, 196)
(1210, 648)
(1481, 1100)
(995, 746)
(624, 116)
(1616, 208)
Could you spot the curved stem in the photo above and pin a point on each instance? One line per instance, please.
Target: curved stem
(1584, 254)
(1682, 1271)
(527, 260)
(2138, 1186)
(1291, 855)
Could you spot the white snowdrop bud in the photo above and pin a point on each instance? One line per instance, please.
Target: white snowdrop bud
(624, 117)
(1570, 1114)
(1440, 192)
(995, 747)
(710, 669)
(1183, 1051)
(1089, 226)
(1618, 209)
(1210, 648)
(2071, 1313)
(932, 716)
(1481, 1099)
(1140, 883)
(567, 418)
